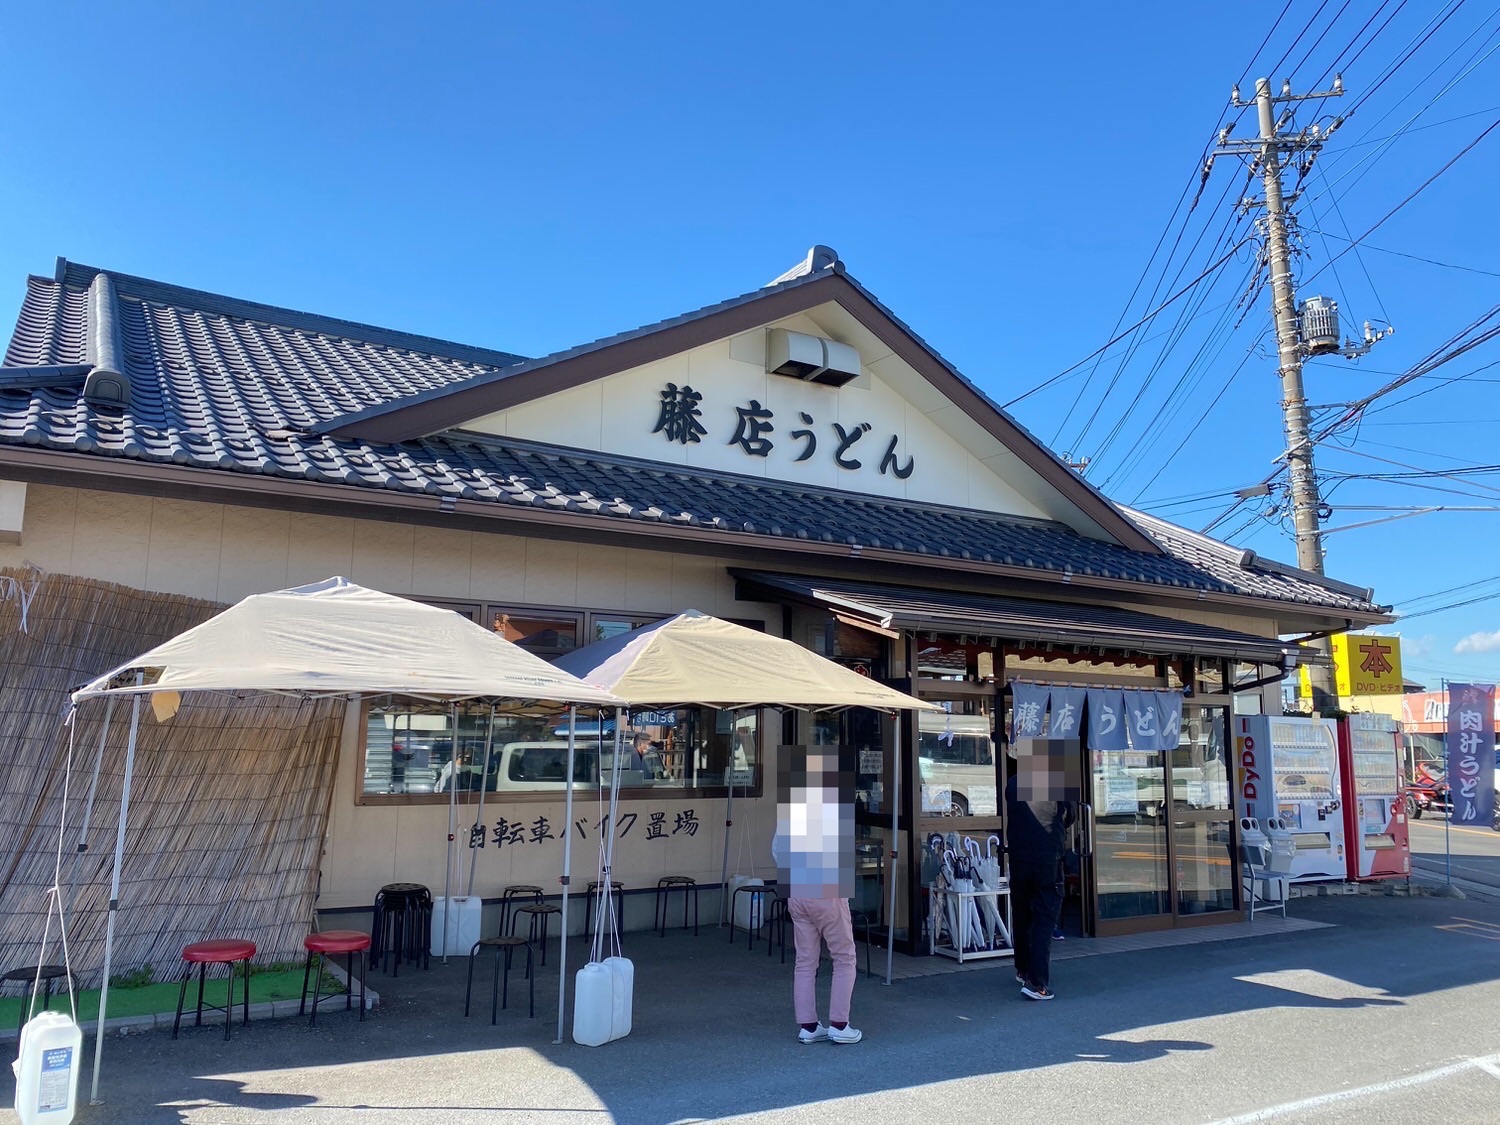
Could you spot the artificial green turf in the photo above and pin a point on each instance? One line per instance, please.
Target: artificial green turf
(161, 999)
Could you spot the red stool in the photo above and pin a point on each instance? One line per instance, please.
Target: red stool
(226, 951)
(347, 942)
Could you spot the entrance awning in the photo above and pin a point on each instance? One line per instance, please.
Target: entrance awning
(1016, 619)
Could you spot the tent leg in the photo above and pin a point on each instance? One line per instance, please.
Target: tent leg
(452, 830)
(890, 921)
(724, 867)
(114, 890)
(484, 778)
(88, 806)
(567, 872)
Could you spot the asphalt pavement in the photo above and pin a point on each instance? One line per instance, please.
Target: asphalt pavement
(1382, 1014)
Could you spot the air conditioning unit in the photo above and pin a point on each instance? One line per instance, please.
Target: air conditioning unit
(810, 358)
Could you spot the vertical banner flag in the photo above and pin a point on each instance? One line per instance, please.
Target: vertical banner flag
(1106, 721)
(1471, 752)
(1028, 710)
(1067, 713)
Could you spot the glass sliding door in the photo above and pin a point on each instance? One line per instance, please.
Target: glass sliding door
(1130, 862)
(1202, 822)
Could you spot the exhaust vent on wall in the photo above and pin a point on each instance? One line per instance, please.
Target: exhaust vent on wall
(810, 358)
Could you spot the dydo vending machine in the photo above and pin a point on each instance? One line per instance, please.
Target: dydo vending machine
(1374, 813)
(1288, 767)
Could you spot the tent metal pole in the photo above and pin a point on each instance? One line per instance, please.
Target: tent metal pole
(890, 922)
(114, 886)
(567, 873)
(484, 779)
(452, 830)
(88, 807)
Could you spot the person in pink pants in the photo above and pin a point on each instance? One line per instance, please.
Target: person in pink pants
(814, 850)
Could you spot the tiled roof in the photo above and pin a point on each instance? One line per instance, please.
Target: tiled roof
(907, 608)
(222, 384)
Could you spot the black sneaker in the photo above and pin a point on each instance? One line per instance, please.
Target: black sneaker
(1035, 992)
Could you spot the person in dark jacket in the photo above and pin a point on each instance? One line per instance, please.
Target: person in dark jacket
(1037, 832)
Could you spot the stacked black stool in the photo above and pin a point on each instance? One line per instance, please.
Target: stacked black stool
(402, 926)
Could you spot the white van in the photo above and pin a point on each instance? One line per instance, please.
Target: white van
(957, 760)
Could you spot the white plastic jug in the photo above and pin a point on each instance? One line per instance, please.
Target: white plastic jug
(463, 929)
(47, 1069)
(747, 907)
(603, 1001)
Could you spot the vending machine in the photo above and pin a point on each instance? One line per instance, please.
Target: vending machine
(1374, 813)
(1288, 767)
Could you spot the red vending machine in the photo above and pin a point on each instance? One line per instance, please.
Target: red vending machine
(1374, 814)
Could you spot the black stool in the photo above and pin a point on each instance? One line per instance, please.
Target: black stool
(664, 888)
(401, 929)
(779, 919)
(511, 897)
(507, 946)
(28, 976)
(617, 889)
(757, 903)
(539, 918)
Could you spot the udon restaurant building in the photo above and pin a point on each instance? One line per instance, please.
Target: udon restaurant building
(796, 459)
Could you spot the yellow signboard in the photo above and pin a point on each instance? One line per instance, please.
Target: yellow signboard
(1363, 664)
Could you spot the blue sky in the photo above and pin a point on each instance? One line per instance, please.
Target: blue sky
(1014, 184)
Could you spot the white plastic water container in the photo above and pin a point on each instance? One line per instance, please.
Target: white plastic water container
(47, 1069)
(747, 907)
(456, 936)
(603, 1001)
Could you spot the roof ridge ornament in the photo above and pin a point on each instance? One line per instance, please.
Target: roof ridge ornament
(820, 257)
(107, 384)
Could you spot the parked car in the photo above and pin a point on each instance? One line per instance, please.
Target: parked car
(957, 755)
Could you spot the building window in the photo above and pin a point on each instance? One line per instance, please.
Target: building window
(415, 752)
(608, 626)
(545, 634)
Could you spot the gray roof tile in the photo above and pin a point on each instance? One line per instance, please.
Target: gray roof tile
(237, 387)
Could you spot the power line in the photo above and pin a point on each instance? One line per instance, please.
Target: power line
(1385, 143)
(1402, 254)
(1111, 343)
(1203, 179)
(1449, 590)
(1446, 608)
(1388, 215)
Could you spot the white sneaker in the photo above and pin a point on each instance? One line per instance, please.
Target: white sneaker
(818, 1034)
(845, 1034)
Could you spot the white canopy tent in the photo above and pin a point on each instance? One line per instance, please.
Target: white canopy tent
(334, 638)
(697, 659)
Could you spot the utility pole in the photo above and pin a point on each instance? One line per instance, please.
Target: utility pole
(1269, 152)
